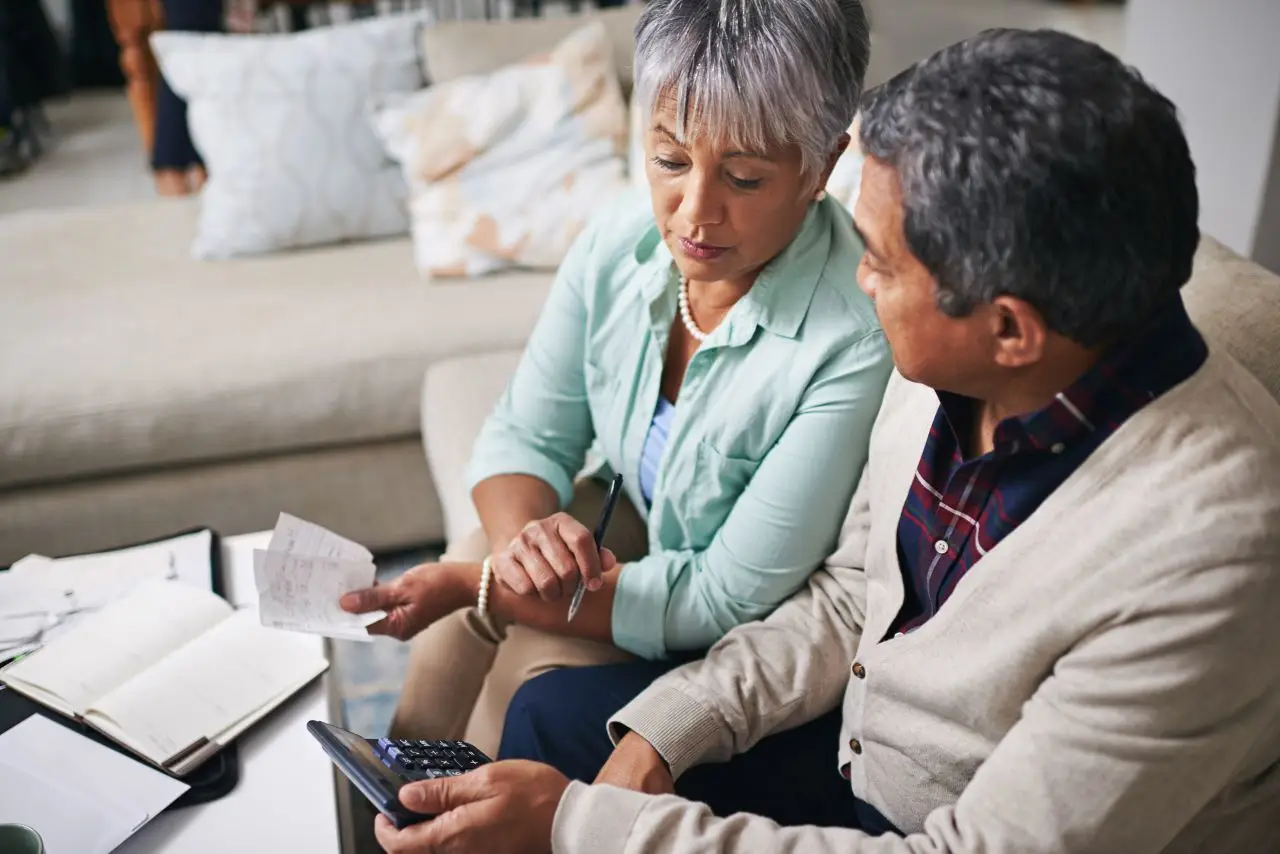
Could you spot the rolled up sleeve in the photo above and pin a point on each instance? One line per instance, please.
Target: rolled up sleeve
(781, 528)
(542, 424)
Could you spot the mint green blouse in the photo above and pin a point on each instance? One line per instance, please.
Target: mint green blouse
(770, 430)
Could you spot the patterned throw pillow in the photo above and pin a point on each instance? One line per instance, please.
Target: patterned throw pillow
(281, 122)
(505, 168)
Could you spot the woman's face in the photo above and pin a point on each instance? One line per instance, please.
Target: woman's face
(724, 213)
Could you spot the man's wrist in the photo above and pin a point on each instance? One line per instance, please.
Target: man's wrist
(636, 744)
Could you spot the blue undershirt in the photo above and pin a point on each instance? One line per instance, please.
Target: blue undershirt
(654, 443)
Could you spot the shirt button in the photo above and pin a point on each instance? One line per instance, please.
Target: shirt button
(855, 746)
(941, 547)
(1058, 448)
(859, 670)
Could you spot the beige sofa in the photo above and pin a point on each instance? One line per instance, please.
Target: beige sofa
(1234, 302)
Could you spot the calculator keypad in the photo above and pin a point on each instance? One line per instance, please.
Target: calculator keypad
(429, 759)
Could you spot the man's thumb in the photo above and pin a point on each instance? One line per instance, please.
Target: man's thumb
(433, 797)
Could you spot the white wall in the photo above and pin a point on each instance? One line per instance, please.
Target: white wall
(1219, 61)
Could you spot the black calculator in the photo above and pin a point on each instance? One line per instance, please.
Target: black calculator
(380, 766)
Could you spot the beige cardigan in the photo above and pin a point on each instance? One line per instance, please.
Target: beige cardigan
(1107, 679)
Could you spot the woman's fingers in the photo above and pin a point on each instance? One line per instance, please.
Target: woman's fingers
(549, 556)
(376, 598)
(530, 557)
(546, 537)
(583, 545)
(510, 572)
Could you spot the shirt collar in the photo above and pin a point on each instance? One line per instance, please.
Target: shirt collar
(1127, 377)
(780, 297)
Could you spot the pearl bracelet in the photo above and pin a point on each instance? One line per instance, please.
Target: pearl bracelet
(486, 575)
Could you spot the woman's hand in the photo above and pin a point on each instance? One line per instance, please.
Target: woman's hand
(635, 765)
(416, 599)
(548, 557)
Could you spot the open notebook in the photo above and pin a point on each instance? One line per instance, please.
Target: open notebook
(170, 671)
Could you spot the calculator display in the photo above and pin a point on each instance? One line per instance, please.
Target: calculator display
(363, 750)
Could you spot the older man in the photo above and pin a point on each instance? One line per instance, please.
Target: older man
(1052, 617)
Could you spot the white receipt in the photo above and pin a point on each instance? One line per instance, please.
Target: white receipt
(302, 575)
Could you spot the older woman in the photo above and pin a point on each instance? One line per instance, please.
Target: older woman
(710, 342)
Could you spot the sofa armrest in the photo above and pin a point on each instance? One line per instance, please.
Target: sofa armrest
(457, 396)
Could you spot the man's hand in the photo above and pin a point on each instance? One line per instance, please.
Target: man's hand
(548, 557)
(416, 599)
(503, 808)
(635, 765)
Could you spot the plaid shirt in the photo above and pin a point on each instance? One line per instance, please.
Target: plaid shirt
(959, 509)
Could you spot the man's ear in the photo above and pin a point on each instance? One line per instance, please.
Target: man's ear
(1020, 332)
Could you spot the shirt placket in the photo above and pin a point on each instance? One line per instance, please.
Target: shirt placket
(947, 545)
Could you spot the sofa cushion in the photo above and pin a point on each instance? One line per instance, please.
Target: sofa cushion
(1236, 304)
(457, 397)
(119, 353)
(453, 49)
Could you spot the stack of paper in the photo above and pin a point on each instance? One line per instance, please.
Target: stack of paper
(302, 575)
(79, 796)
(42, 598)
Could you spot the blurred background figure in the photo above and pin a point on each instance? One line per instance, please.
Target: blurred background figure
(161, 116)
(174, 159)
(32, 70)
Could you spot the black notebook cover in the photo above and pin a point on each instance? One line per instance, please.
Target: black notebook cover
(213, 778)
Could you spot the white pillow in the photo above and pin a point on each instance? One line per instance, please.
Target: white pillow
(280, 121)
(505, 168)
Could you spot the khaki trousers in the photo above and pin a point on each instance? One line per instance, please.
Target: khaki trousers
(464, 670)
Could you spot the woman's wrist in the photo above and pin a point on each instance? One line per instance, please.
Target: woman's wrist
(464, 583)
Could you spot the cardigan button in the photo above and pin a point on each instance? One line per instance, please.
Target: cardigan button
(859, 670)
(855, 746)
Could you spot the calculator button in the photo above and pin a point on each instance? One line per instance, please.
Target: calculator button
(452, 772)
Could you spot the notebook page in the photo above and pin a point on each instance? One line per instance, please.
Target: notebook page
(204, 688)
(109, 647)
(298, 536)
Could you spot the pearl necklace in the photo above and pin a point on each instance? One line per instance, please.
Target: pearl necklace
(686, 316)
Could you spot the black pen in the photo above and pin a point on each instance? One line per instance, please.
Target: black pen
(615, 490)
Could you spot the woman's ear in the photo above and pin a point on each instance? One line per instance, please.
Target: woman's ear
(842, 145)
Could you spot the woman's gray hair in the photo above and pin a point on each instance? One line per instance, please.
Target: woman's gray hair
(756, 73)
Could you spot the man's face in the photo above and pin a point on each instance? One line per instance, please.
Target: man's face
(928, 346)
(723, 212)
